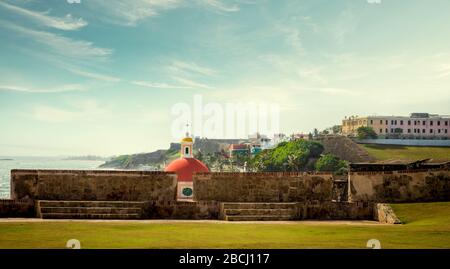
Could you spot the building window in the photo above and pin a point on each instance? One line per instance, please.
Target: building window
(386, 122)
(439, 131)
(439, 123)
(401, 122)
(446, 123)
(423, 131)
(386, 130)
(431, 123)
(381, 131)
(431, 131)
(392, 122)
(186, 150)
(423, 123)
(371, 121)
(392, 130)
(445, 131)
(409, 131)
(409, 122)
(381, 121)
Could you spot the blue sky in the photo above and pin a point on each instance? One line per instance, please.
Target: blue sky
(101, 77)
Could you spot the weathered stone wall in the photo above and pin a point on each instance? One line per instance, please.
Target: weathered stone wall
(400, 186)
(182, 210)
(385, 214)
(93, 185)
(335, 211)
(16, 208)
(263, 187)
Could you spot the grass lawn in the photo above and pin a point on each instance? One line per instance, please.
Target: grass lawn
(386, 152)
(427, 226)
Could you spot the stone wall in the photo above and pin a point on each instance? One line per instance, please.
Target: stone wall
(400, 186)
(16, 208)
(335, 211)
(182, 210)
(263, 187)
(93, 185)
(385, 214)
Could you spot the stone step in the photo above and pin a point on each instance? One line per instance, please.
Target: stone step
(88, 216)
(258, 205)
(260, 212)
(50, 203)
(92, 210)
(259, 218)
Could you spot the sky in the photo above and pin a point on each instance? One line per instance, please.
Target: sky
(102, 77)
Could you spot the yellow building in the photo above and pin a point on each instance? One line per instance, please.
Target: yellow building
(417, 125)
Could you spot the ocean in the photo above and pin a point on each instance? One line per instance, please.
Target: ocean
(37, 163)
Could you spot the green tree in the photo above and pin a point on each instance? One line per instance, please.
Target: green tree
(365, 132)
(337, 129)
(330, 163)
(287, 156)
(199, 156)
(316, 132)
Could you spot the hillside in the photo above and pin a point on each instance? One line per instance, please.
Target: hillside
(345, 148)
(159, 158)
(135, 161)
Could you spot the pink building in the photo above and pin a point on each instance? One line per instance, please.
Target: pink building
(416, 126)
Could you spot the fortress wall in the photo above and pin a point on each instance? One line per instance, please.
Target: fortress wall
(263, 187)
(16, 208)
(93, 185)
(182, 210)
(335, 211)
(400, 186)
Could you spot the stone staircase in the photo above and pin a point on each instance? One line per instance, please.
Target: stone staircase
(48, 209)
(257, 211)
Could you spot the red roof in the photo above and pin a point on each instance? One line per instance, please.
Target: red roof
(238, 146)
(186, 167)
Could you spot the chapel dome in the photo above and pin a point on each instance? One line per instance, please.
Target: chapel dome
(186, 167)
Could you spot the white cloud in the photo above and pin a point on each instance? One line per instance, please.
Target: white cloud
(191, 83)
(62, 45)
(63, 88)
(131, 12)
(187, 73)
(67, 23)
(159, 85)
(293, 39)
(313, 74)
(346, 24)
(219, 5)
(190, 67)
(443, 71)
(93, 75)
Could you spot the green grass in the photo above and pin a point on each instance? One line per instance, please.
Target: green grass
(386, 152)
(427, 226)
